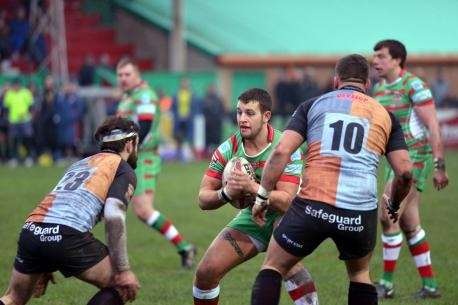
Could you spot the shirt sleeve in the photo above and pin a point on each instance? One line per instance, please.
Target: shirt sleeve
(124, 183)
(419, 92)
(219, 160)
(298, 121)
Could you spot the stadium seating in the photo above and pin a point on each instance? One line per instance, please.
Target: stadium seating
(86, 35)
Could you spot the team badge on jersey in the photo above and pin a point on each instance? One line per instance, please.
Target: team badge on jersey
(145, 98)
(417, 85)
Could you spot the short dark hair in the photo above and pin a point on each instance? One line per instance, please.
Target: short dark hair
(114, 123)
(127, 61)
(395, 48)
(352, 68)
(258, 95)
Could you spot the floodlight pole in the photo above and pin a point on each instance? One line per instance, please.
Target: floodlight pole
(177, 42)
(59, 65)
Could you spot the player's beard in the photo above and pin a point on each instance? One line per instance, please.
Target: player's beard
(252, 133)
(132, 160)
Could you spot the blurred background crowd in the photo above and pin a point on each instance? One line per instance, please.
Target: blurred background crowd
(61, 109)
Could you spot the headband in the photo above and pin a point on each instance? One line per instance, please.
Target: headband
(117, 134)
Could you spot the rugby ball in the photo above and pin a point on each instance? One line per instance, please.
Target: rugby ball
(242, 200)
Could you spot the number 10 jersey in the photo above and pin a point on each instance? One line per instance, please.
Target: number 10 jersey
(346, 133)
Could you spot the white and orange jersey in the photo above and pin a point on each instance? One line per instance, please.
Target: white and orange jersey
(346, 133)
(78, 198)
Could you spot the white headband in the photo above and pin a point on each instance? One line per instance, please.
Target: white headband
(117, 134)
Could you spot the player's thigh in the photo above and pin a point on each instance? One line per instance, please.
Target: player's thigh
(149, 167)
(358, 269)
(237, 248)
(21, 287)
(278, 259)
(100, 275)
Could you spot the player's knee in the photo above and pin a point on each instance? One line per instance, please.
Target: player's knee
(208, 273)
(410, 230)
(385, 221)
(143, 212)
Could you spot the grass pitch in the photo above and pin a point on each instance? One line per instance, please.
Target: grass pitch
(157, 265)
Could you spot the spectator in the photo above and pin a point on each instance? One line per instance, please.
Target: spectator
(4, 36)
(4, 151)
(19, 101)
(105, 62)
(186, 105)
(37, 44)
(287, 93)
(69, 113)
(45, 125)
(439, 87)
(214, 113)
(450, 100)
(19, 32)
(86, 74)
(308, 87)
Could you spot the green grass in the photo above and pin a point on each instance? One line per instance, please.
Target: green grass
(157, 266)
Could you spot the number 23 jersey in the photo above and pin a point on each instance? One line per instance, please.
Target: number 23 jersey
(78, 198)
(346, 133)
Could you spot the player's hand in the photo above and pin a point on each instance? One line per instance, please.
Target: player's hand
(259, 209)
(238, 182)
(127, 285)
(42, 284)
(440, 179)
(392, 209)
(258, 214)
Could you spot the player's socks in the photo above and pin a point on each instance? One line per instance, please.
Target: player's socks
(266, 288)
(301, 288)
(106, 296)
(419, 248)
(391, 249)
(362, 294)
(205, 297)
(168, 230)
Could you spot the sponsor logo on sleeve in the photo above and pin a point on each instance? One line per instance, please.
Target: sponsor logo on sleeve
(417, 85)
(145, 98)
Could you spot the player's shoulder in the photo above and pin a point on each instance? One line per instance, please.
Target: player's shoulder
(144, 89)
(126, 169)
(413, 81)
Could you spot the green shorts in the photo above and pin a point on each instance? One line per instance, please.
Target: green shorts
(148, 167)
(422, 164)
(243, 223)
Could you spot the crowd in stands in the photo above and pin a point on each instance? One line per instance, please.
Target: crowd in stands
(40, 123)
(22, 36)
(296, 85)
(52, 124)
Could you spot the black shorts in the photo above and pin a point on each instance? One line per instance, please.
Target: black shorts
(45, 247)
(308, 223)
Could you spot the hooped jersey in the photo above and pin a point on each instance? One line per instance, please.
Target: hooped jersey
(346, 133)
(400, 97)
(141, 103)
(78, 198)
(233, 147)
